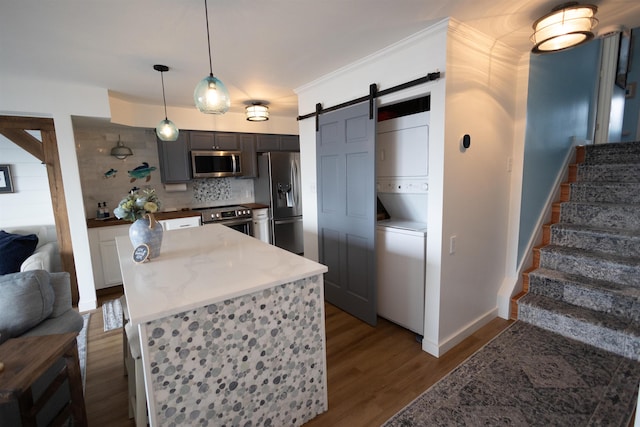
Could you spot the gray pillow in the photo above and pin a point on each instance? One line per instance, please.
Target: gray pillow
(26, 299)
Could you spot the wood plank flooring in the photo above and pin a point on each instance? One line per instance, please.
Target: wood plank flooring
(372, 372)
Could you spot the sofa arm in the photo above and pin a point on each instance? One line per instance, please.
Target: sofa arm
(61, 284)
(42, 259)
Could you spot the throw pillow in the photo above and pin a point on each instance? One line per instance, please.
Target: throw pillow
(26, 299)
(14, 249)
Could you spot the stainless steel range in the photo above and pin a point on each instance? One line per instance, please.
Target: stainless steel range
(236, 217)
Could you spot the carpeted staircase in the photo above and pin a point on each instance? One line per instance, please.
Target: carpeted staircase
(585, 283)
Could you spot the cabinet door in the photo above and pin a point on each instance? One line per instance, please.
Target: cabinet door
(202, 140)
(289, 143)
(226, 141)
(267, 143)
(110, 263)
(175, 162)
(249, 155)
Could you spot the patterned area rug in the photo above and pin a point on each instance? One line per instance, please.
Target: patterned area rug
(112, 314)
(527, 376)
(81, 340)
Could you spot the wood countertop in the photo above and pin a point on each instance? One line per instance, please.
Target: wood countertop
(255, 205)
(94, 223)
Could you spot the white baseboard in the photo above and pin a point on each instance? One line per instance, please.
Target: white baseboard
(456, 338)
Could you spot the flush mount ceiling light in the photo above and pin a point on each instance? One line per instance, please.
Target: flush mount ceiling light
(210, 95)
(120, 151)
(567, 25)
(166, 129)
(257, 112)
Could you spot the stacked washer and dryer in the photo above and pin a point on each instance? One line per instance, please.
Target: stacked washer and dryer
(402, 148)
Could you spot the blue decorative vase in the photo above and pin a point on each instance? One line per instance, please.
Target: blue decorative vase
(148, 231)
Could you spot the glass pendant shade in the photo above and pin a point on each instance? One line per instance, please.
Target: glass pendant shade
(566, 26)
(167, 130)
(211, 96)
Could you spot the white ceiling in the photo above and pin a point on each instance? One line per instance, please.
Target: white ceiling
(262, 50)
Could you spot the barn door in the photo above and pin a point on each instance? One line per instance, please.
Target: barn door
(345, 153)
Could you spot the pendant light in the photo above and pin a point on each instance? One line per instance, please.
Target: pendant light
(567, 25)
(120, 151)
(210, 95)
(166, 129)
(257, 112)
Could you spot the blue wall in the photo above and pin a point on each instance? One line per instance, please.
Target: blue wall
(561, 105)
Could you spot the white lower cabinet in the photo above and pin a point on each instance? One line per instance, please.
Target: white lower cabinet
(104, 255)
(400, 256)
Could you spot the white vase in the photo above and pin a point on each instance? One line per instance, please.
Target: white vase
(148, 231)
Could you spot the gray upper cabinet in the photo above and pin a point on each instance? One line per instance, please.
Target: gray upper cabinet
(289, 143)
(174, 158)
(249, 155)
(268, 142)
(201, 140)
(227, 141)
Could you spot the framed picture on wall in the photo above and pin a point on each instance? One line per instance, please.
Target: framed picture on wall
(6, 185)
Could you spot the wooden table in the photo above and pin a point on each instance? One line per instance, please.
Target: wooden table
(27, 359)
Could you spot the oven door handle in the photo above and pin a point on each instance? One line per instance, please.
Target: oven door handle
(232, 221)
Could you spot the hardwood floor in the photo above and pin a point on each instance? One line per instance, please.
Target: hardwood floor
(372, 372)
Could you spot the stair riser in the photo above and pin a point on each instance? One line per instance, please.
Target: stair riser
(615, 341)
(613, 216)
(607, 243)
(613, 153)
(610, 173)
(628, 193)
(593, 298)
(591, 267)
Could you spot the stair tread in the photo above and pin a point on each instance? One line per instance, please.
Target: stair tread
(582, 314)
(602, 204)
(604, 231)
(587, 282)
(591, 254)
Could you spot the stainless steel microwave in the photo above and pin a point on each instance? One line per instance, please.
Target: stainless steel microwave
(215, 163)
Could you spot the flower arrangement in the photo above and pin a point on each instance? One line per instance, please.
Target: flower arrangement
(137, 204)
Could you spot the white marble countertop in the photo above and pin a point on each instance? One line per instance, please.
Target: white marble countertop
(203, 265)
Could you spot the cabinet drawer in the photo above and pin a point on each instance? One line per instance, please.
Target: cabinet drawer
(177, 223)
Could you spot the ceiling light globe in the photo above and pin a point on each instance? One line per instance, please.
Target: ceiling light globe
(257, 113)
(167, 130)
(211, 96)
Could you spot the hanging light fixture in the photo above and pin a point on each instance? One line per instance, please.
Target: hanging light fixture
(567, 25)
(211, 96)
(257, 112)
(166, 129)
(120, 151)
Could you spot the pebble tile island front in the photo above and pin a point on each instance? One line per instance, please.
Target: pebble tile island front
(231, 330)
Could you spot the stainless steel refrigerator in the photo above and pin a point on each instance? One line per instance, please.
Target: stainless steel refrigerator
(278, 186)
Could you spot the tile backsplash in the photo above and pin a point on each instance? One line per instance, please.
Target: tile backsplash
(105, 178)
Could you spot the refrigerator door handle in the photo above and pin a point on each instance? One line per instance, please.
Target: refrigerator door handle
(294, 182)
(287, 221)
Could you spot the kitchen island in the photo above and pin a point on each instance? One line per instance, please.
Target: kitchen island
(231, 330)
